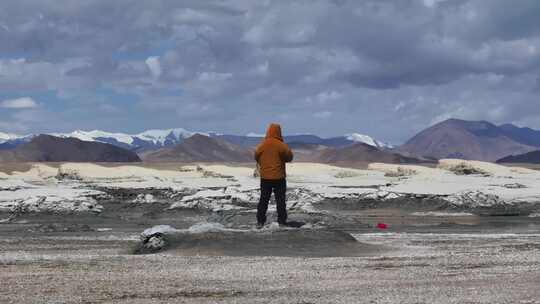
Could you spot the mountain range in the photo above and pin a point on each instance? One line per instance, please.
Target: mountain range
(156, 139)
(361, 153)
(529, 158)
(181, 145)
(474, 140)
(47, 148)
(201, 148)
(452, 138)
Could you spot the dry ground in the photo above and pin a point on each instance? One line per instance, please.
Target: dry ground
(417, 268)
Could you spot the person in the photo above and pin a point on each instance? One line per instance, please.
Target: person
(271, 155)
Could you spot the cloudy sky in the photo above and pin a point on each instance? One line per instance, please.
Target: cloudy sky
(383, 68)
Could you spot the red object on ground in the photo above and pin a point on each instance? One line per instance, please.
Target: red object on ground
(382, 226)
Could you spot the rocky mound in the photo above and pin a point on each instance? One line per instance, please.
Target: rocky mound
(47, 148)
(219, 241)
(200, 148)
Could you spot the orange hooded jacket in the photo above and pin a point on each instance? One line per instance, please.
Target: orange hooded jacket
(272, 154)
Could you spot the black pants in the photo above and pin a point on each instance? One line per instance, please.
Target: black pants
(279, 187)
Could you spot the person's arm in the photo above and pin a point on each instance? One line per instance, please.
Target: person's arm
(287, 154)
(257, 153)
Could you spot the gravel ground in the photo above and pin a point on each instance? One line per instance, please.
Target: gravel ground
(417, 268)
(431, 255)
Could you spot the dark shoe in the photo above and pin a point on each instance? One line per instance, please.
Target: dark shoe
(260, 225)
(283, 224)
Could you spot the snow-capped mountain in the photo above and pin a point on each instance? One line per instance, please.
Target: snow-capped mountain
(8, 140)
(155, 139)
(96, 135)
(368, 140)
(150, 139)
(6, 136)
(333, 141)
(252, 134)
(161, 137)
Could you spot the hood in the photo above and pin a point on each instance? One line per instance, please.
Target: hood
(274, 131)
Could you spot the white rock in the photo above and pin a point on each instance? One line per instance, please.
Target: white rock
(392, 195)
(144, 198)
(163, 229)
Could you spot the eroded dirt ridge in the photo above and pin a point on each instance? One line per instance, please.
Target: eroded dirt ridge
(474, 187)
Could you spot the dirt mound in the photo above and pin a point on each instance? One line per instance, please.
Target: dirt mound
(265, 242)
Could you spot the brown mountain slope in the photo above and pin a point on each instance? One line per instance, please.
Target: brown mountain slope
(362, 153)
(307, 152)
(200, 148)
(46, 148)
(529, 158)
(453, 138)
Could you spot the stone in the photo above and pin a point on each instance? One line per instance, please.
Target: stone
(155, 242)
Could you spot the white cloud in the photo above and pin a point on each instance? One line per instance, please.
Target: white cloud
(13, 126)
(109, 109)
(262, 68)
(154, 66)
(252, 61)
(19, 103)
(432, 3)
(213, 76)
(399, 106)
(324, 97)
(323, 114)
